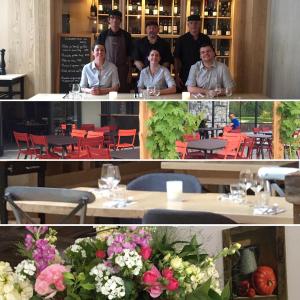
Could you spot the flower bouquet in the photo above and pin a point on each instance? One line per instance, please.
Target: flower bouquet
(118, 263)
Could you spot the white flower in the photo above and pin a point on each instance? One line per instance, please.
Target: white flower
(131, 260)
(25, 267)
(114, 288)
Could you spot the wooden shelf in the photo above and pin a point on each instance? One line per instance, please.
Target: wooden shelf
(271, 252)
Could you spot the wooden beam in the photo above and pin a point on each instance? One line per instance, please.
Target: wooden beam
(145, 114)
(277, 145)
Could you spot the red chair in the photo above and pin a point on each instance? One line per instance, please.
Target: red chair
(191, 137)
(78, 133)
(247, 148)
(87, 127)
(125, 133)
(23, 140)
(181, 149)
(95, 134)
(227, 128)
(256, 130)
(98, 153)
(231, 149)
(42, 142)
(63, 127)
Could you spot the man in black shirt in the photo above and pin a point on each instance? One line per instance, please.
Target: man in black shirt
(186, 51)
(152, 41)
(118, 46)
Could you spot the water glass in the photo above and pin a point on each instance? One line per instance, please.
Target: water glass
(263, 200)
(210, 94)
(76, 88)
(151, 91)
(228, 92)
(110, 174)
(257, 184)
(218, 90)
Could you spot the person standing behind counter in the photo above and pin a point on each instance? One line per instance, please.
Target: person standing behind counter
(152, 41)
(100, 76)
(118, 46)
(156, 76)
(187, 50)
(209, 74)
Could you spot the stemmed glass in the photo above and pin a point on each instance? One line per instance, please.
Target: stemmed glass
(257, 184)
(246, 180)
(218, 90)
(75, 91)
(110, 174)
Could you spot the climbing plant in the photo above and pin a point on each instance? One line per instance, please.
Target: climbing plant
(290, 123)
(170, 121)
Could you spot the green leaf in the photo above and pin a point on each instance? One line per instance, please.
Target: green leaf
(69, 276)
(226, 292)
(88, 286)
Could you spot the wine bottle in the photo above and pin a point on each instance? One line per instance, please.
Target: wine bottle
(205, 29)
(100, 8)
(228, 30)
(165, 26)
(147, 9)
(228, 11)
(139, 6)
(214, 32)
(206, 8)
(130, 7)
(175, 9)
(93, 9)
(155, 10)
(170, 27)
(175, 28)
(219, 31)
(161, 27)
(214, 11)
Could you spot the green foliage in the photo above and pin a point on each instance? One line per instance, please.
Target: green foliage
(290, 122)
(169, 122)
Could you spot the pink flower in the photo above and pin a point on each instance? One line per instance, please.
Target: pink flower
(50, 278)
(155, 291)
(173, 284)
(146, 252)
(100, 254)
(151, 277)
(167, 273)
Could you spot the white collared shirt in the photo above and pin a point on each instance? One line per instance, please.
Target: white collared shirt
(162, 79)
(107, 77)
(205, 78)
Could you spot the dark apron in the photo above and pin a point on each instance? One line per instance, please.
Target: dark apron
(117, 54)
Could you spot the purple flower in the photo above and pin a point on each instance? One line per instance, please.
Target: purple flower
(29, 241)
(43, 254)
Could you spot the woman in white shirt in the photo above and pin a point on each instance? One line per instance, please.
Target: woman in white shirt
(156, 76)
(100, 76)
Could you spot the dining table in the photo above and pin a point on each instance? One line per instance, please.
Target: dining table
(62, 141)
(137, 203)
(206, 145)
(262, 139)
(133, 96)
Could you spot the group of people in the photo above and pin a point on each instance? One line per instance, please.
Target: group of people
(195, 66)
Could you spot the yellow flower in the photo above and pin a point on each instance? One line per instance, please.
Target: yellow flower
(176, 263)
(167, 257)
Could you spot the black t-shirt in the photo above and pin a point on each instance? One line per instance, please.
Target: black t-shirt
(143, 47)
(187, 51)
(102, 37)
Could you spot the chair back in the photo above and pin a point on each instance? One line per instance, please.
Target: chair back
(247, 147)
(15, 194)
(232, 147)
(78, 133)
(129, 133)
(227, 128)
(39, 140)
(92, 133)
(166, 216)
(181, 149)
(191, 137)
(95, 142)
(157, 182)
(22, 137)
(87, 127)
(256, 130)
(98, 153)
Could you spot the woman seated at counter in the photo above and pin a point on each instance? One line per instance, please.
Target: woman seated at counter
(100, 76)
(156, 76)
(208, 75)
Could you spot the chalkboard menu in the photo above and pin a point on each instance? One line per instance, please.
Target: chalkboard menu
(75, 52)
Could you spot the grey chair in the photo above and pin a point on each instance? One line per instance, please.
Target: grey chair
(166, 216)
(157, 182)
(15, 194)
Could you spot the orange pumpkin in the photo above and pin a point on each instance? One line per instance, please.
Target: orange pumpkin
(264, 280)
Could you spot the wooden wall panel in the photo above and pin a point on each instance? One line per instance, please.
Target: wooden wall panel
(27, 40)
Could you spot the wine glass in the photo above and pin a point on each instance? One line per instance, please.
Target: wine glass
(151, 91)
(218, 89)
(75, 91)
(228, 92)
(245, 180)
(156, 92)
(257, 184)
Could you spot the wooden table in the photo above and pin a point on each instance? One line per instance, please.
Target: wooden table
(129, 154)
(207, 145)
(120, 97)
(143, 201)
(9, 81)
(218, 172)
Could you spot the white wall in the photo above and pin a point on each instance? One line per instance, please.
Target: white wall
(283, 48)
(90, 112)
(211, 237)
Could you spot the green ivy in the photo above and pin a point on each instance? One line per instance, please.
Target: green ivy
(290, 122)
(170, 121)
